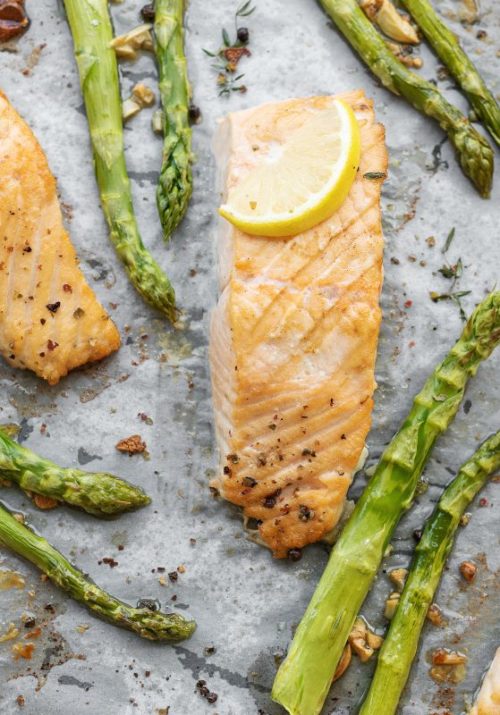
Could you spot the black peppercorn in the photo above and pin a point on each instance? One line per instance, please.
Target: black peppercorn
(148, 12)
(149, 603)
(194, 113)
(249, 482)
(295, 554)
(243, 35)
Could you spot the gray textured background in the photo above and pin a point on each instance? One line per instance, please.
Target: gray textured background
(245, 603)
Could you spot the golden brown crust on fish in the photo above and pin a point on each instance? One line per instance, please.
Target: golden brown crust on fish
(50, 319)
(294, 339)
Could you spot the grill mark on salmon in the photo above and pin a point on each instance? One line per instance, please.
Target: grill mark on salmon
(50, 319)
(293, 341)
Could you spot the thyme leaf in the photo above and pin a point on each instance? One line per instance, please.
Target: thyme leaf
(245, 10)
(375, 175)
(448, 241)
(227, 57)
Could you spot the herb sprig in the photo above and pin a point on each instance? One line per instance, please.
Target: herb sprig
(451, 272)
(227, 57)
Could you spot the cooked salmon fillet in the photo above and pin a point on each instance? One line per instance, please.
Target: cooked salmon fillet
(488, 699)
(50, 319)
(294, 339)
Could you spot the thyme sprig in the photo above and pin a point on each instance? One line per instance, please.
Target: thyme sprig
(227, 57)
(451, 272)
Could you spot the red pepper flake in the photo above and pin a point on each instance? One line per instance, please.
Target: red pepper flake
(52, 345)
(109, 561)
(408, 303)
(234, 55)
(483, 502)
(67, 288)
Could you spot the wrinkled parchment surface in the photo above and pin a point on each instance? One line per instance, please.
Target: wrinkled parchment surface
(245, 603)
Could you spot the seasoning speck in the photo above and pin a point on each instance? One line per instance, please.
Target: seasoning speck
(54, 307)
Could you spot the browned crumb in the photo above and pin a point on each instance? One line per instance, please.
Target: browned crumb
(13, 19)
(43, 502)
(22, 650)
(33, 59)
(442, 656)
(131, 445)
(344, 663)
(434, 615)
(468, 571)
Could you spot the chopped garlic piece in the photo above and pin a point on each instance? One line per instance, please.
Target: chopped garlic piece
(128, 45)
(403, 55)
(391, 604)
(157, 121)
(363, 641)
(142, 96)
(391, 22)
(398, 577)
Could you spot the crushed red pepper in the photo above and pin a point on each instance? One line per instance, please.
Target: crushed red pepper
(131, 445)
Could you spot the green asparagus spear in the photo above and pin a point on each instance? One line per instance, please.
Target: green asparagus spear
(447, 48)
(175, 184)
(97, 493)
(152, 625)
(304, 678)
(474, 153)
(400, 646)
(92, 33)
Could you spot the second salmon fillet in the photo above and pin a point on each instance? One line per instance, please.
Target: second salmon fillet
(50, 319)
(294, 339)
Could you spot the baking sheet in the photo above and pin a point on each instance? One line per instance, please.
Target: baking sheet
(246, 604)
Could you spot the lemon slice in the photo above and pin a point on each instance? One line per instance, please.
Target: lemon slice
(302, 181)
